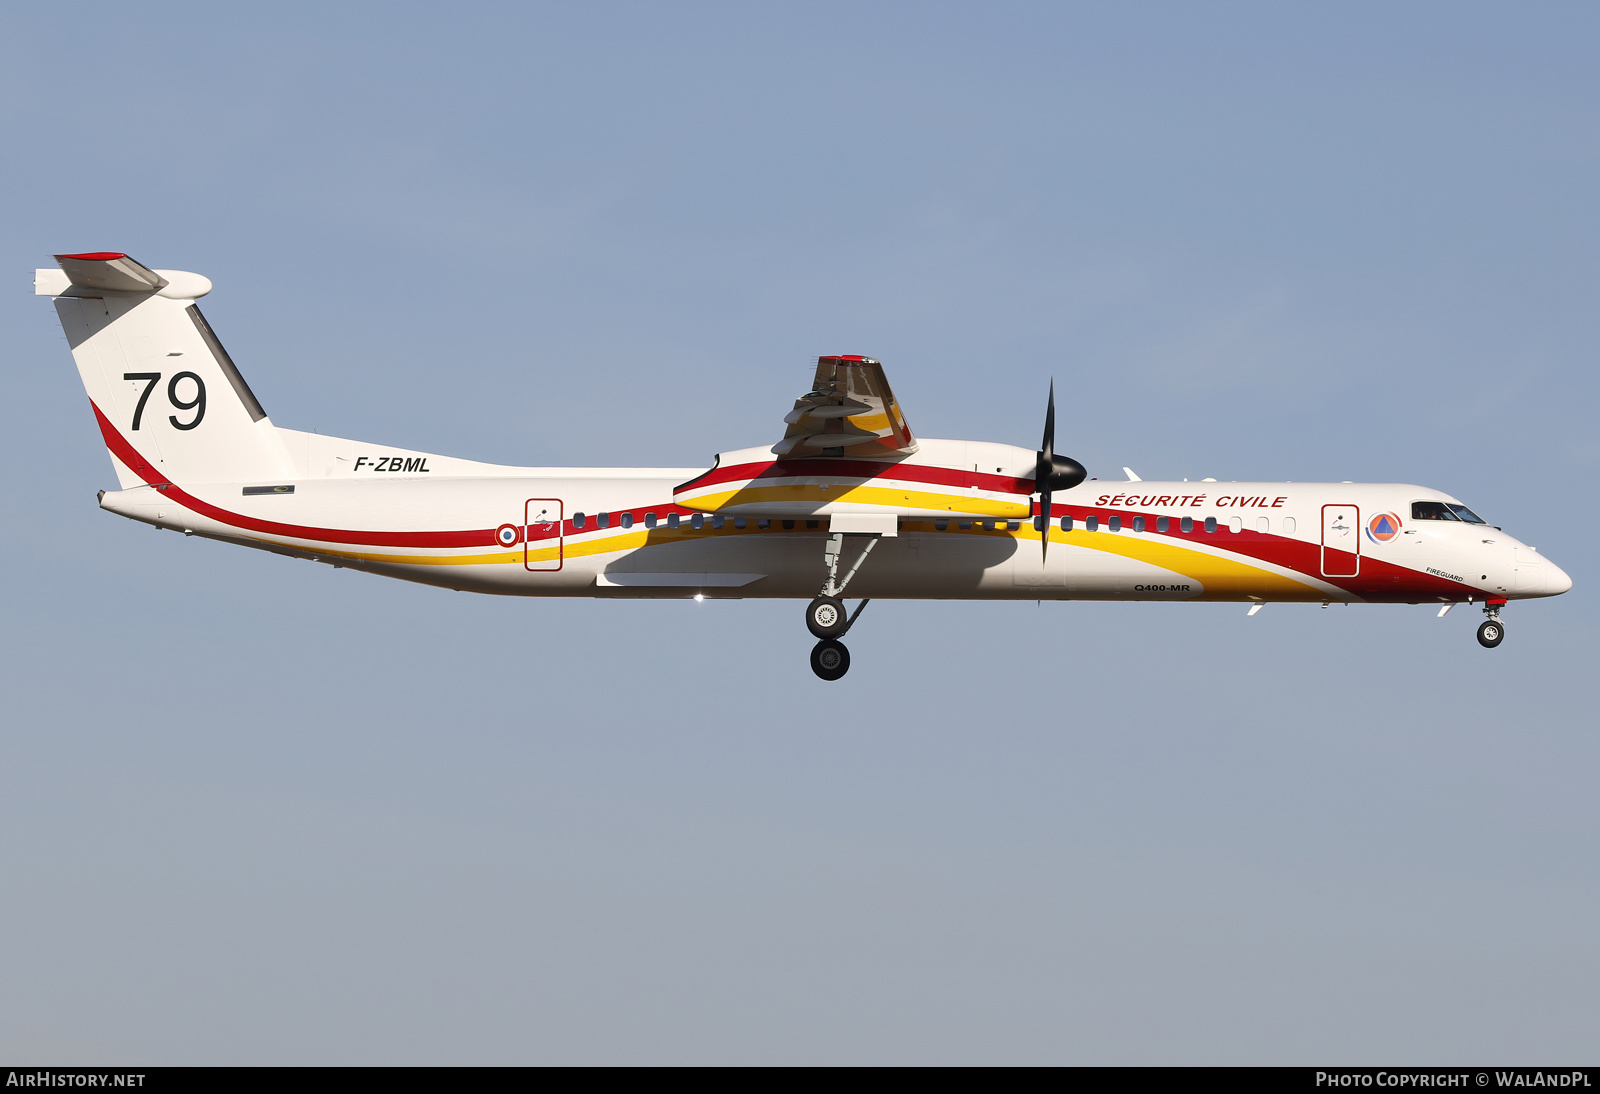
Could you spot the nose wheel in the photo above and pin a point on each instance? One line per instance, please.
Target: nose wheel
(1491, 631)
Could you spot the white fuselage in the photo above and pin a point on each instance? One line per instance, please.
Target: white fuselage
(621, 533)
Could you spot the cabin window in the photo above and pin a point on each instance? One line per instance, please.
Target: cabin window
(1066, 523)
(812, 523)
(603, 520)
(649, 520)
(698, 521)
(938, 525)
(627, 520)
(1115, 524)
(577, 520)
(988, 526)
(1235, 524)
(717, 521)
(1263, 524)
(1138, 524)
(1288, 526)
(739, 522)
(1162, 523)
(1091, 523)
(788, 526)
(1012, 525)
(1211, 524)
(672, 520)
(764, 523)
(1186, 524)
(965, 525)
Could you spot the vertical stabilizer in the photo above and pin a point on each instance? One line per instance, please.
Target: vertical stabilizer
(170, 402)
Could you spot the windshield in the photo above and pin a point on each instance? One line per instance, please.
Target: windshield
(1444, 510)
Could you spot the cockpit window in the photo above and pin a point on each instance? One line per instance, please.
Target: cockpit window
(1444, 510)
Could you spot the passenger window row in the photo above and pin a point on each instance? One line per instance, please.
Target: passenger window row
(696, 521)
(1091, 523)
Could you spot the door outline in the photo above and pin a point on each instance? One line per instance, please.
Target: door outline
(541, 513)
(1355, 538)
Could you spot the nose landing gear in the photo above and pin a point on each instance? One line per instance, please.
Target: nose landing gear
(1491, 632)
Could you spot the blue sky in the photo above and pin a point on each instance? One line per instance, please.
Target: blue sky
(258, 811)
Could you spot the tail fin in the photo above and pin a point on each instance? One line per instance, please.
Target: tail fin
(171, 405)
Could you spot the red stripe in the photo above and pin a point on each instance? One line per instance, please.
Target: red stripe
(773, 471)
(483, 537)
(97, 256)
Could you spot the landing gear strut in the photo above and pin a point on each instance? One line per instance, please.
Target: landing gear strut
(1491, 631)
(826, 617)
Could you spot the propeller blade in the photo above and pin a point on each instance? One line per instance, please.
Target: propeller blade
(1047, 449)
(1043, 470)
(1052, 472)
(1044, 524)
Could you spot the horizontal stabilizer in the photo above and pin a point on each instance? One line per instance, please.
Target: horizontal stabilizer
(110, 270)
(101, 272)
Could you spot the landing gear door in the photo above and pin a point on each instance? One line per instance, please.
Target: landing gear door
(1341, 541)
(543, 541)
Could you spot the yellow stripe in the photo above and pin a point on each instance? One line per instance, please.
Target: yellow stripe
(889, 498)
(1223, 578)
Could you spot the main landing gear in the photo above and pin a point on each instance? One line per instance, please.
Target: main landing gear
(826, 617)
(827, 620)
(1491, 632)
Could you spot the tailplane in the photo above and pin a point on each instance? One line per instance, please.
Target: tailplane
(170, 402)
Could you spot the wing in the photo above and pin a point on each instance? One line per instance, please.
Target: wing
(849, 411)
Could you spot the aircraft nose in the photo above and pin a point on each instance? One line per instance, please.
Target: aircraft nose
(1556, 580)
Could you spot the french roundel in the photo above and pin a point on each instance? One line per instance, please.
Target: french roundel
(507, 535)
(1383, 527)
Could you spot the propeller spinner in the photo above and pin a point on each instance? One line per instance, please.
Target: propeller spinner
(1052, 473)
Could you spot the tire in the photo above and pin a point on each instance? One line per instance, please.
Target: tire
(830, 659)
(826, 617)
(1490, 633)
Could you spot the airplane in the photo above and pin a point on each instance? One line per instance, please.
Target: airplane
(847, 498)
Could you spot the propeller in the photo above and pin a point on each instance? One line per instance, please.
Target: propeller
(1052, 473)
